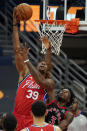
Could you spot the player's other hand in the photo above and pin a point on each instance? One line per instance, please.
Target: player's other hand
(45, 41)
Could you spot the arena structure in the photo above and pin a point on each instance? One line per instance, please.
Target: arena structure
(69, 68)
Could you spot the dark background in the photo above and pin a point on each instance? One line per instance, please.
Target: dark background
(8, 85)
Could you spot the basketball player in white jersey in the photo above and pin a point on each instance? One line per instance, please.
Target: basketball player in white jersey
(79, 122)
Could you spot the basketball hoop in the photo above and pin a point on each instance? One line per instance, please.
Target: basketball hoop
(54, 30)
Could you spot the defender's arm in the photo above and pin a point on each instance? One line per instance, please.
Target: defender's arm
(39, 78)
(46, 43)
(68, 119)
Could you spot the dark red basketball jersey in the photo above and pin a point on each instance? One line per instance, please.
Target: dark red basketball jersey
(27, 93)
(46, 127)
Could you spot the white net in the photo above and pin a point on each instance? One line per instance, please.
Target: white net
(54, 33)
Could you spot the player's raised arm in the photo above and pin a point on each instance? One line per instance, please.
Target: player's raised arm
(39, 75)
(16, 41)
(47, 44)
(21, 67)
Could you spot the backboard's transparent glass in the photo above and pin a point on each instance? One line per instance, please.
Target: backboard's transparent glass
(76, 9)
(68, 9)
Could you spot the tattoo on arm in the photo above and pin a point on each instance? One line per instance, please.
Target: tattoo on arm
(64, 123)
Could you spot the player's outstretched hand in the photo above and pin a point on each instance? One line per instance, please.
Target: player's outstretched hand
(45, 41)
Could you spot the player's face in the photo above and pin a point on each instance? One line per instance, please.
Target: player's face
(65, 94)
(42, 67)
(74, 105)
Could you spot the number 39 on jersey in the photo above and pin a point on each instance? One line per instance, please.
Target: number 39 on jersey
(32, 94)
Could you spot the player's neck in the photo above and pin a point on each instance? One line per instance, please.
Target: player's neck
(43, 73)
(61, 104)
(77, 113)
(39, 121)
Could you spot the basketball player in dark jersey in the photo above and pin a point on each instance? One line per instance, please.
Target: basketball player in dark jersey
(32, 82)
(39, 111)
(58, 113)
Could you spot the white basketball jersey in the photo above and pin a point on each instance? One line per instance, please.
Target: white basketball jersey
(79, 123)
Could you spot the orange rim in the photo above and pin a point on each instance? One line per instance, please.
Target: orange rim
(59, 22)
(52, 21)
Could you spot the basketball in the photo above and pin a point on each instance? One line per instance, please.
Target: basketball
(23, 12)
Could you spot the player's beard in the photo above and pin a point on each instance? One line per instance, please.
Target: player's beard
(61, 99)
(42, 72)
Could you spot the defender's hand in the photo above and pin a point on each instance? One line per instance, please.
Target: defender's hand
(45, 41)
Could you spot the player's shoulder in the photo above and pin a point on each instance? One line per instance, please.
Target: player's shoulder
(82, 118)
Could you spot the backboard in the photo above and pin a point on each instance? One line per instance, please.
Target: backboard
(69, 9)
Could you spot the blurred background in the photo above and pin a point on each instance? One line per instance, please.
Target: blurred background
(69, 68)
